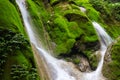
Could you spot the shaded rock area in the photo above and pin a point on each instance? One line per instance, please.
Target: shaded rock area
(84, 65)
(79, 59)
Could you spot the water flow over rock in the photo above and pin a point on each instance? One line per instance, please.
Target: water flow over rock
(59, 69)
(105, 40)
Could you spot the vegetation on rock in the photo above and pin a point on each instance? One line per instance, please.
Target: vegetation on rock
(71, 29)
(14, 45)
(111, 69)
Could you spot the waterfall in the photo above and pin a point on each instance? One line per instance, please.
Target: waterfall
(59, 69)
(105, 41)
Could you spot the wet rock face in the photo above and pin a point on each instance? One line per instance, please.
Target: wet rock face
(111, 64)
(84, 65)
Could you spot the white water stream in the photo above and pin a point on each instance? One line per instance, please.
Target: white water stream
(59, 69)
(54, 65)
(105, 41)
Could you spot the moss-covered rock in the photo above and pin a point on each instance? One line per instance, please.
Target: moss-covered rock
(9, 17)
(111, 69)
(67, 23)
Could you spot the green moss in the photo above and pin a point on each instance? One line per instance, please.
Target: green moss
(11, 26)
(114, 30)
(60, 34)
(18, 59)
(76, 61)
(115, 10)
(68, 22)
(93, 14)
(74, 29)
(52, 2)
(89, 32)
(39, 17)
(61, 8)
(75, 12)
(80, 2)
(21, 59)
(63, 33)
(9, 17)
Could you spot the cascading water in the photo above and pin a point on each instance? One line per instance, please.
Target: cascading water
(59, 69)
(105, 41)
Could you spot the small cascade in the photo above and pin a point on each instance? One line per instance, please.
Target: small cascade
(105, 41)
(59, 69)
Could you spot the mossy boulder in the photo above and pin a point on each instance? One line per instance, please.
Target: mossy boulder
(67, 24)
(111, 68)
(63, 32)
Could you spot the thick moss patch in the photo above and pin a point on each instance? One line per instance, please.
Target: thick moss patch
(67, 23)
(9, 17)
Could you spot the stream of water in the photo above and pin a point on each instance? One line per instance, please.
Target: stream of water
(59, 69)
(54, 65)
(105, 41)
